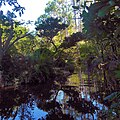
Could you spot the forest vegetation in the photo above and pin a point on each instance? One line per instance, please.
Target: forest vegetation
(81, 38)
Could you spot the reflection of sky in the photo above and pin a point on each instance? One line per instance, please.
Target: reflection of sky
(30, 109)
(39, 113)
(35, 113)
(95, 103)
(81, 116)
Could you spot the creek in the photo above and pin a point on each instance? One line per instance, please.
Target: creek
(51, 102)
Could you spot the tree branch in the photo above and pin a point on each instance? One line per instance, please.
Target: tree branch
(9, 38)
(18, 38)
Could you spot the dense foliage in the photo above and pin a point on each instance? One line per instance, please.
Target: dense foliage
(56, 50)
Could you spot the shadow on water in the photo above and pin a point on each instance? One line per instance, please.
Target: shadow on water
(49, 102)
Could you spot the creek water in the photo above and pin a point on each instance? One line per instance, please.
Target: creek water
(50, 102)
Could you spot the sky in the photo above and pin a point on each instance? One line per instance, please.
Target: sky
(33, 9)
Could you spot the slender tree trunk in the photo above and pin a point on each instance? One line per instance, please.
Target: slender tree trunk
(0, 45)
(1, 78)
(1, 56)
(74, 3)
(104, 72)
(89, 78)
(79, 69)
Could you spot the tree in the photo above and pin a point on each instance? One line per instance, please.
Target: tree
(60, 9)
(8, 35)
(102, 27)
(26, 45)
(49, 28)
(16, 7)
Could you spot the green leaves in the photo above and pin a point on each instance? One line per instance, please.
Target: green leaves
(49, 27)
(42, 55)
(117, 13)
(108, 8)
(76, 7)
(104, 11)
(11, 15)
(71, 40)
(59, 8)
(78, 0)
(117, 32)
(117, 73)
(16, 6)
(112, 2)
(115, 105)
(112, 96)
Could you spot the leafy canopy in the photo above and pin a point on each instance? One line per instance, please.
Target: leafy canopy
(49, 27)
(16, 7)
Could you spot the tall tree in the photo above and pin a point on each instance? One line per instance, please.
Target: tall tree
(61, 9)
(49, 28)
(102, 26)
(8, 35)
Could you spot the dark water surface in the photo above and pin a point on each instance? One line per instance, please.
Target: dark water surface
(49, 102)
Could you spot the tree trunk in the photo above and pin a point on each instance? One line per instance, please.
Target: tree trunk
(1, 78)
(104, 71)
(1, 55)
(74, 3)
(1, 52)
(88, 78)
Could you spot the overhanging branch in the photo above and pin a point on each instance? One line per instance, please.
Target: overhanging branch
(18, 38)
(9, 38)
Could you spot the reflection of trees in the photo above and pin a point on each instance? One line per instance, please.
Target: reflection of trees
(10, 102)
(21, 103)
(54, 110)
(25, 112)
(7, 113)
(58, 116)
(75, 105)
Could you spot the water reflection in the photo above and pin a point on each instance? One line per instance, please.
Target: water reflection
(48, 102)
(19, 105)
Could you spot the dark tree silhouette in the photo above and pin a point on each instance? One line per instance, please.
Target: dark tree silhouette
(49, 28)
